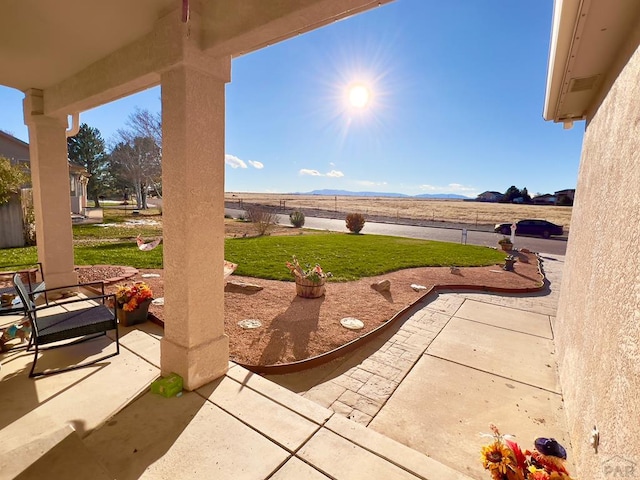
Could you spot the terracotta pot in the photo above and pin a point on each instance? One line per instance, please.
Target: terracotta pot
(507, 247)
(308, 289)
(139, 315)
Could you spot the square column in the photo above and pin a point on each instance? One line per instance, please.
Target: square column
(51, 191)
(193, 118)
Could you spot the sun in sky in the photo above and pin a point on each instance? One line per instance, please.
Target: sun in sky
(358, 95)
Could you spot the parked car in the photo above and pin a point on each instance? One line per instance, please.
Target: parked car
(541, 228)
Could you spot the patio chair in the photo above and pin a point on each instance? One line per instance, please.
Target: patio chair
(34, 277)
(68, 327)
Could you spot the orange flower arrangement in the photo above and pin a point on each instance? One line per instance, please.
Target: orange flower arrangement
(506, 461)
(129, 297)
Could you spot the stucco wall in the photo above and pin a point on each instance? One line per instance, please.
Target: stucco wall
(598, 321)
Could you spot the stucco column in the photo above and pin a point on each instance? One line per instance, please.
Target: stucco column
(193, 114)
(51, 197)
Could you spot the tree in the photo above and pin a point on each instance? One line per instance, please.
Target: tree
(86, 149)
(515, 195)
(12, 177)
(511, 194)
(136, 158)
(134, 162)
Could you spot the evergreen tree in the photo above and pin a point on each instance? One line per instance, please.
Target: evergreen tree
(86, 149)
(512, 193)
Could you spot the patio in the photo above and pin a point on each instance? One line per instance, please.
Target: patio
(240, 426)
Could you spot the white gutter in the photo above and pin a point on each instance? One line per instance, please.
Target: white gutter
(73, 130)
(565, 15)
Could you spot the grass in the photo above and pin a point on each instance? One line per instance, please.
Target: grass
(349, 257)
(95, 232)
(119, 215)
(120, 253)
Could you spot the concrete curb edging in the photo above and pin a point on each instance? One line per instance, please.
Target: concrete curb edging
(397, 319)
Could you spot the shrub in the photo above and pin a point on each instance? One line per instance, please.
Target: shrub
(297, 219)
(355, 222)
(262, 219)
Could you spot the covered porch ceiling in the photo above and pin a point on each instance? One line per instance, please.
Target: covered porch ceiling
(586, 38)
(58, 45)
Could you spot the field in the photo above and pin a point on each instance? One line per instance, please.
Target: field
(455, 211)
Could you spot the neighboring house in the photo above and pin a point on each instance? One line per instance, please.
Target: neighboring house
(594, 75)
(546, 199)
(17, 151)
(13, 148)
(490, 196)
(565, 197)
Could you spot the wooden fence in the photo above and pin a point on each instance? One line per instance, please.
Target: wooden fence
(11, 225)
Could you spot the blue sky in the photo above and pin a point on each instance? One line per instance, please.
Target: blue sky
(456, 98)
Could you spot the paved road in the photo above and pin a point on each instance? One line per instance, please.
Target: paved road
(555, 246)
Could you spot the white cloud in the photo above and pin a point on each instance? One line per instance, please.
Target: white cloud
(368, 183)
(234, 162)
(256, 164)
(450, 188)
(335, 173)
(313, 173)
(457, 187)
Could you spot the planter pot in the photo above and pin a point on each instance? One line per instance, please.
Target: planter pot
(139, 315)
(308, 289)
(508, 265)
(507, 247)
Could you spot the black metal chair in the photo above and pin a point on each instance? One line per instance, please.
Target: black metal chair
(71, 327)
(31, 273)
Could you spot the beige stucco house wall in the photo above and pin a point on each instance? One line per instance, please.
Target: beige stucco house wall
(597, 328)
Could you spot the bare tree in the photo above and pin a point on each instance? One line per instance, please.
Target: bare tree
(136, 157)
(262, 219)
(143, 123)
(135, 162)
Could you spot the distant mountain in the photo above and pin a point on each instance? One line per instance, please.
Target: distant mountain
(347, 193)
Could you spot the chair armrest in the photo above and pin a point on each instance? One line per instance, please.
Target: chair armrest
(77, 300)
(75, 285)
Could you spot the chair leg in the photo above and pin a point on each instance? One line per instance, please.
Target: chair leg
(34, 374)
(35, 360)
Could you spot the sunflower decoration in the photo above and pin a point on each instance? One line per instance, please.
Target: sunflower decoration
(505, 460)
(498, 459)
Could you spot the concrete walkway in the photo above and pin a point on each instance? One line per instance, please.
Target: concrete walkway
(460, 361)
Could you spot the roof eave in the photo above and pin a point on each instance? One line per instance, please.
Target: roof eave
(565, 14)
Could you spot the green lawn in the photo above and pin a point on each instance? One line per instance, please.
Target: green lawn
(347, 257)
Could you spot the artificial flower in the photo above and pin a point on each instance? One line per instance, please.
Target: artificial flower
(497, 457)
(505, 460)
(129, 297)
(315, 274)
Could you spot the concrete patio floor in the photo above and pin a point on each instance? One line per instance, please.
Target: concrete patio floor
(409, 405)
